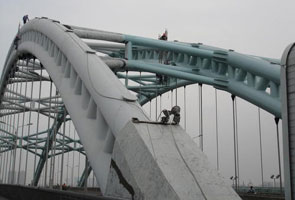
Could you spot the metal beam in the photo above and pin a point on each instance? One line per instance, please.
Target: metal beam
(52, 131)
(83, 179)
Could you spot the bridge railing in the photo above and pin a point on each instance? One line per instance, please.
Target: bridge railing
(16, 192)
(262, 190)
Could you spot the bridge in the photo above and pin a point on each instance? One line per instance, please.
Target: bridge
(75, 99)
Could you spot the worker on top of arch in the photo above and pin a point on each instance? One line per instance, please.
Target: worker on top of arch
(163, 57)
(25, 18)
(164, 36)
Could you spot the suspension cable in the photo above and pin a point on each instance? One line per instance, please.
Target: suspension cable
(29, 125)
(86, 173)
(48, 135)
(15, 90)
(140, 83)
(38, 118)
(237, 143)
(201, 118)
(172, 98)
(260, 145)
(216, 128)
(10, 128)
(23, 122)
(184, 103)
(7, 152)
(1, 148)
(68, 156)
(73, 161)
(53, 146)
(150, 108)
(79, 163)
(176, 93)
(156, 107)
(160, 102)
(63, 150)
(279, 155)
(234, 134)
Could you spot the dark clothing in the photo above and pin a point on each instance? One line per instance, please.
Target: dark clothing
(251, 190)
(25, 19)
(163, 54)
(163, 37)
(64, 187)
(15, 42)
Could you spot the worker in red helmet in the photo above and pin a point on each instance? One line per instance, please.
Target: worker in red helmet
(162, 56)
(164, 36)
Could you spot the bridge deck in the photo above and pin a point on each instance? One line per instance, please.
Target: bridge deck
(16, 192)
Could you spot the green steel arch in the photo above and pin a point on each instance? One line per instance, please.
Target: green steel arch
(255, 79)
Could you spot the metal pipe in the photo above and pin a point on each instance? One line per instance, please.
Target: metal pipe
(126, 79)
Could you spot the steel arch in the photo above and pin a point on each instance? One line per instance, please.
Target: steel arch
(255, 79)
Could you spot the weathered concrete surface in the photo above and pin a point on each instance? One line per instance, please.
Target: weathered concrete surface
(288, 118)
(162, 162)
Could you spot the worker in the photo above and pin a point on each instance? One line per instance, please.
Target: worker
(164, 36)
(25, 19)
(162, 56)
(15, 42)
(64, 186)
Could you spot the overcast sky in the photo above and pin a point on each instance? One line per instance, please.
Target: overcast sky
(256, 27)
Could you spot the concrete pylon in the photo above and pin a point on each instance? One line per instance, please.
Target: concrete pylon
(162, 162)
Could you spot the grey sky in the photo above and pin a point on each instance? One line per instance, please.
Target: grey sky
(256, 27)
